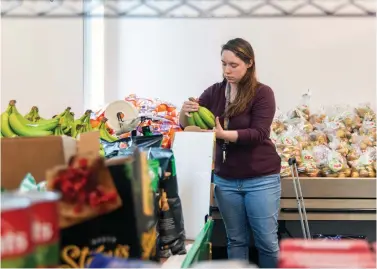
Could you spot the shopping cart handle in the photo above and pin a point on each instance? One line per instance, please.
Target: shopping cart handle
(292, 161)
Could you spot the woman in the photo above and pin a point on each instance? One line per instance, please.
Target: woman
(247, 165)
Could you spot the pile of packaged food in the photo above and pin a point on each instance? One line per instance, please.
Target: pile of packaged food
(338, 141)
(162, 117)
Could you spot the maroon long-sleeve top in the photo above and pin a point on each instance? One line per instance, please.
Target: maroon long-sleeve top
(253, 154)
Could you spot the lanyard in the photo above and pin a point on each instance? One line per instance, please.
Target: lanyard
(226, 120)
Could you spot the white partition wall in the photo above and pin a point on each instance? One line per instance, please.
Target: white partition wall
(174, 59)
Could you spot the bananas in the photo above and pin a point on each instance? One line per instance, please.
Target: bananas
(6, 130)
(14, 124)
(202, 118)
(104, 134)
(22, 129)
(80, 125)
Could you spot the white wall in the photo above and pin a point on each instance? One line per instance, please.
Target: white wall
(175, 59)
(42, 64)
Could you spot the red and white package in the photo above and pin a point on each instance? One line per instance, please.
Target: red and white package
(326, 260)
(321, 246)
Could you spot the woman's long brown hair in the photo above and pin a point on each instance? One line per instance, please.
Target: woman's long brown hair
(248, 84)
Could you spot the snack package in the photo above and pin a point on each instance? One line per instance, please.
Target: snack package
(171, 231)
(120, 147)
(103, 261)
(365, 165)
(105, 208)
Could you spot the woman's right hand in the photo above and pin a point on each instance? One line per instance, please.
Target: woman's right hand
(190, 106)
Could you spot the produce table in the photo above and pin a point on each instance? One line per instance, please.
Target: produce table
(334, 206)
(327, 199)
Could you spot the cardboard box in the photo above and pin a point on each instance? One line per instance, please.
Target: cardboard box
(35, 155)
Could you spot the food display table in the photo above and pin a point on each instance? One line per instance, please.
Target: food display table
(334, 206)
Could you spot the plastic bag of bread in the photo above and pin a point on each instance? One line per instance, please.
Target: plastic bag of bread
(368, 128)
(301, 124)
(318, 137)
(286, 152)
(320, 154)
(336, 166)
(302, 110)
(349, 118)
(287, 137)
(354, 153)
(278, 126)
(318, 117)
(340, 146)
(336, 130)
(308, 167)
(287, 147)
(365, 166)
(362, 141)
(365, 112)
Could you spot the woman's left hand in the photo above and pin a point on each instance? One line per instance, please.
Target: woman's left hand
(218, 129)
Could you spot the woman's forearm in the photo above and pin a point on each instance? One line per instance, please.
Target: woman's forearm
(231, 136)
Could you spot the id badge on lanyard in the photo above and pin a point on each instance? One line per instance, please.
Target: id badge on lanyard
(226, 121)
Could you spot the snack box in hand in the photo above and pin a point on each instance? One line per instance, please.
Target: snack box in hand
(326, 260)
(317, 246)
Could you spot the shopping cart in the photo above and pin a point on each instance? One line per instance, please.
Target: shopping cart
(300, 199)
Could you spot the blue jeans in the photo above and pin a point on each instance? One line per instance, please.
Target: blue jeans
(253, 203)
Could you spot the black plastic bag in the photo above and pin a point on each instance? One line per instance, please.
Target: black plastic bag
(170, 227)
(121, 146)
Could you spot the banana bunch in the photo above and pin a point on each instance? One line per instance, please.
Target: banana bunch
(202, 118)
(104, 133)
(82, 124)
(33, 115)
(13, 123)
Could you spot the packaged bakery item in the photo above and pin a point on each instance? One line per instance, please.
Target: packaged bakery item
(302, 110)
(318, 137)
(362, 141)
(341, 146)
(336, 165)
(365, 112)
(365, 165)
(350, 119)
(278, 126)
(354, 153)
(368, 128)
(320, 154)
(308, 167)
(318, 117)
